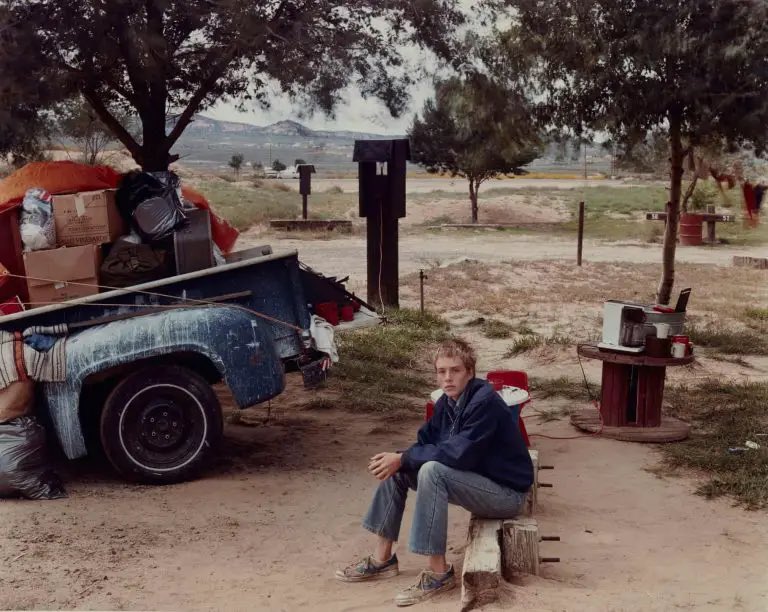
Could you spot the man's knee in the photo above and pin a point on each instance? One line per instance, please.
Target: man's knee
(431, 471)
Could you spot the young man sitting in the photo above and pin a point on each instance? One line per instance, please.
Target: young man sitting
(470, 453)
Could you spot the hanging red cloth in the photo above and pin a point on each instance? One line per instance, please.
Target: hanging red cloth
(750, 202)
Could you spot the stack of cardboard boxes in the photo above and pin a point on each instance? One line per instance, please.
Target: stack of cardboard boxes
(84, 222)
(86, 226)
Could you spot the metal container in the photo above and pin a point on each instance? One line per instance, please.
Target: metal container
(675, 320)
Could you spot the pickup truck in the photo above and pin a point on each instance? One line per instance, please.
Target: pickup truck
(141, 361)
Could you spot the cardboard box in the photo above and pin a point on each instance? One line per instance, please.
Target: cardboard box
(51, 273)
(90, 217)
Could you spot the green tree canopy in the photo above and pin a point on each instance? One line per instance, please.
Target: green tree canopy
(695, 69)
(473, 129)
(166, 60)
(236, 163)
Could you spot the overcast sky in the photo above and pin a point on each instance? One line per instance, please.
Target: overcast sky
(354, 113)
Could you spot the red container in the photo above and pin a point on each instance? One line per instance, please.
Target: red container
(11, 306)
(347, 312)
(512, 378)
(329, 311)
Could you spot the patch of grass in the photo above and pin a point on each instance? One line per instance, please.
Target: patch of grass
(334, 189)
(229, 178)
(320, 403)
(246, 207)
(492, 328)
(529, 342)
(439, 220)
(497, 329)
(563, 386)
(723, 416)
(552, 414)
(739, 361)
(281, 187)
(727, 340)
(387, 368)
(757, 314)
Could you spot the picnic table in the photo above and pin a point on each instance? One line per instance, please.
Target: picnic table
(709, 218)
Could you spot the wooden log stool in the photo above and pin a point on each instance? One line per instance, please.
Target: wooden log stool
(488, 546)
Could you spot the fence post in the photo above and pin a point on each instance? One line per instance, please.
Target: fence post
(581, 234)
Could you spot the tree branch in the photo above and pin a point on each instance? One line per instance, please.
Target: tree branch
(205, 87)
(112, 123)
(132, 65)
(194, 103)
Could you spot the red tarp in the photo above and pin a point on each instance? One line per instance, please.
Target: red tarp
(70, 177)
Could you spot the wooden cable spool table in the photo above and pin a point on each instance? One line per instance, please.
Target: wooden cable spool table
(631, 397)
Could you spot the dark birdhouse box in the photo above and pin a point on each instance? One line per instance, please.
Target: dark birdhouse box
(305, 178)
(382, 165)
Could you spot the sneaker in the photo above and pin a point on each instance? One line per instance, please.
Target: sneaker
(368, 569)
(428, 584)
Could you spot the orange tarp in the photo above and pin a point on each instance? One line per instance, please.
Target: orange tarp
(70, 177)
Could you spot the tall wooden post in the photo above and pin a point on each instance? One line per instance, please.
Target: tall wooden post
(581, 234)
(382, 165)
(305, 186)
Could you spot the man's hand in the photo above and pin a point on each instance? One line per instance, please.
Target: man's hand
(384, 465)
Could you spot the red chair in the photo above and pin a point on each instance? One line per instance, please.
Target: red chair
(512, 378)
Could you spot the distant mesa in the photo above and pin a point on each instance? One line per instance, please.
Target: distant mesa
(205, 127)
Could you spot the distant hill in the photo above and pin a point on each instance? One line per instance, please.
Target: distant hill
(211, 143)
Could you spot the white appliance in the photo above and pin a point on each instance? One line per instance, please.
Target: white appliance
(623, 327)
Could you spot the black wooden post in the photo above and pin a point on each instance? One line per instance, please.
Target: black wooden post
(305, 186)
(382, 165)
(422, 276)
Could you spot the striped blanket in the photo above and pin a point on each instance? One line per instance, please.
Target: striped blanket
(21, 362)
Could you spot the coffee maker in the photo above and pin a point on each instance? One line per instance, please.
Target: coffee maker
(623, 327)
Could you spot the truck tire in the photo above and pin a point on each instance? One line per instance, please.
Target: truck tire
(161, 424)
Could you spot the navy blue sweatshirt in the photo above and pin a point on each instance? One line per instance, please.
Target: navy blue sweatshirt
(484, 438)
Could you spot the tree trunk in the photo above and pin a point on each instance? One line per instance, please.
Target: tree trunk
(473, 198)
(673, 210)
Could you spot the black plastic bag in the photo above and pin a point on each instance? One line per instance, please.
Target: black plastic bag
(151, 204)
(24, 466)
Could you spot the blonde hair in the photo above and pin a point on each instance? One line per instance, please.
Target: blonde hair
(457, 348)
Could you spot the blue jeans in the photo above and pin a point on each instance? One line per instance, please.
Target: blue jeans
(436, 486)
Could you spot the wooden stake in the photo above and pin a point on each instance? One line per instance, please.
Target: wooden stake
(581, 234)
(421, 289)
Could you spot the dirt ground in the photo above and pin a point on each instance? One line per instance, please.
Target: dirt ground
(266, 525)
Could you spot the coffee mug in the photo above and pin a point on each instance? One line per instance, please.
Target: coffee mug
(662, 329)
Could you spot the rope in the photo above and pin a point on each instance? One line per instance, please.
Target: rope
(155, 294)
